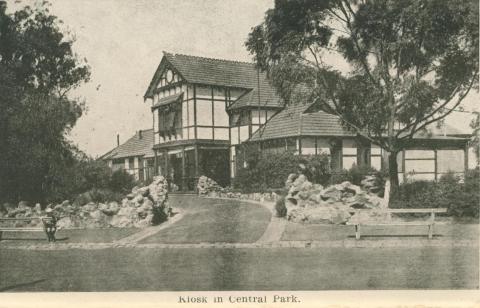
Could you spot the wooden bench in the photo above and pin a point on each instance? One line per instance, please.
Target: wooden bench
(430, 222)
(44, 220)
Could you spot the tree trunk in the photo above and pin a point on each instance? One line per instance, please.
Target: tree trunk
(393, 172)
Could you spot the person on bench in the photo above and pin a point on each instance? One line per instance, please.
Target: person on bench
(50, 224)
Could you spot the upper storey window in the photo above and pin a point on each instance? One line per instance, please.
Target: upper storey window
(168, 77)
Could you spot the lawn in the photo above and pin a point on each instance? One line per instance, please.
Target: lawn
(214, 220)
(129, 269)
(316, 232)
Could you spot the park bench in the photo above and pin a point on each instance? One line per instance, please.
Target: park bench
(44, 220)
(385, 210)
(430, 222)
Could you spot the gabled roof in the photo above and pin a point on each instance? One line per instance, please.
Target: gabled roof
(135, 146)
(225, 73)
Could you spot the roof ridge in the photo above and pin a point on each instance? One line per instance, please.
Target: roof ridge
(207, 58)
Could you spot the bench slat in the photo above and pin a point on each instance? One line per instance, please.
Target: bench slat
(25, 218)
(433, 210)
(20, 229)
(426, 211)
(413, 223)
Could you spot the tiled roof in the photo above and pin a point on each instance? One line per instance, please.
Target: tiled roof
(268, 98)
(135, 146)
(235, 74)
(167, 100)
(295, 121)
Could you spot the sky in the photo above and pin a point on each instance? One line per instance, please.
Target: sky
(123, 41)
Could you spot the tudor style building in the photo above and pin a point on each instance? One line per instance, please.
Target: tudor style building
(201, 109)
(204, 109)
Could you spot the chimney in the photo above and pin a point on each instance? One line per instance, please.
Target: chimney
(118, 140)
(140, 134)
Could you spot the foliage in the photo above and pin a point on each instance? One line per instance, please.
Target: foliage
(280, 207)
(159, 214)
(37, 69)
(356, 174)
(97, 195)
(270, 170)
(460, 198)
(90, 180)
(409, 62)
(121, 181)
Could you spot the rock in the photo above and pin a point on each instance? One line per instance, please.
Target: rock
(38, 209)
(158, 189)
(65, 203)
(374, 202)
(147, 202)
(96, 215)
(298, 184)
(143, 211)
(291, 178)
(329, 215)
(130, 196)
(135, 190)
(206, 186)
(357, 201)
(65, 222)
(121, 222)
(23, 205)
(351, 188)
(126, 203)
(144, 191)
(89, 207)
(295, 214)
(331, 193)
(138, 199)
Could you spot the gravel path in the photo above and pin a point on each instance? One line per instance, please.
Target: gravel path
(348, 243)
(149, 231)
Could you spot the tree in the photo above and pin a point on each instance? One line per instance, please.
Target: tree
(410, 62)
(38, 68)
(475, 141)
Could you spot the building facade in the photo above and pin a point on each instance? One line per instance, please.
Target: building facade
(135, 156)
(204, 109)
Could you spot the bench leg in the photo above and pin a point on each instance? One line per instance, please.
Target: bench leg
(430, 231)
(357, 232)
(1, 235)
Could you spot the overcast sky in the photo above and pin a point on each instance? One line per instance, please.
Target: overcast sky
(123, 43)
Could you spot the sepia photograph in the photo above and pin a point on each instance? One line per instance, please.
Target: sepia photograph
(253, 149)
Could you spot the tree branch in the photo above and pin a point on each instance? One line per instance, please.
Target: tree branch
(461, 98)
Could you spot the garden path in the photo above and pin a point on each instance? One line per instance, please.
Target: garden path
(149, 231)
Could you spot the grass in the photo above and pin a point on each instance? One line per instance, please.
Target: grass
(127, 269)
(69, 236)
(213, 220)
(309, 232)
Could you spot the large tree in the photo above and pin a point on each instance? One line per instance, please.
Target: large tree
(410, 62)
(38, 68)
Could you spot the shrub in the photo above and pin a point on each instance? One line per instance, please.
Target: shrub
(270, 170)
(280, 207)
(121, 181)
(461, 199)
(97, 196)
(356, 174)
